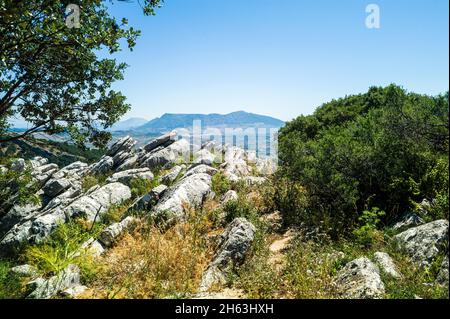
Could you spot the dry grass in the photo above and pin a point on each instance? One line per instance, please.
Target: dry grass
(155, 263)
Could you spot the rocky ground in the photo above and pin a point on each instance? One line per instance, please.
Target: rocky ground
(179, 185)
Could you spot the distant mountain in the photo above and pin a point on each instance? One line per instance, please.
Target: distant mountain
(129, 124)
(238, 119)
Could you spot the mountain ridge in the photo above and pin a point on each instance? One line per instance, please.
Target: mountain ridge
(170, 121)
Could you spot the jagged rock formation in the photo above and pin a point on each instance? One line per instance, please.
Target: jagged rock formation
(62, 198)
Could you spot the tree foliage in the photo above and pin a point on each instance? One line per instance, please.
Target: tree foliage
(386, 148)
(51, 74)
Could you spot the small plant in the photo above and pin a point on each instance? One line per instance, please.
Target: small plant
(89, 182)
(61, 249)
(367, 233)
(220, 184)
(10, 284)
(17, 188)
(140, 186)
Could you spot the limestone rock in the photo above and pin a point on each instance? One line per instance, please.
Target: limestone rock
(387, 265)
(150, 199)
(45, 289)
(203, 156)
(112, 232)
(229, 196)
(164, 140)
(25, 270)
(359, 279)
(191, 190)
(172, 174)
(442, 277)
(424, 242)
(236, 242)
(125, 177)
(408, 220)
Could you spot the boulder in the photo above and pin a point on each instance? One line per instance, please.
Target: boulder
(109, 235)
(175, 152)
(150, 199)
(202, 168)
(105, 164)
(229, 196)
(47, 288)
(442, 277)
(191, 191)
(92, 247)
(423, 243)
(203, 156)
(25, 270)
(18, 165)
(96, 203)
(235, 242)
(128, 163)
(125, 177)
(15, 215)
(54, 187)
(386, 264)
(164, 140)
(359, 279)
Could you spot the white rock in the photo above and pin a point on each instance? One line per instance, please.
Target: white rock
(359, 279)
(235, 243)
(386, 264)
(423, 243)
(191, 190)
(109, 235)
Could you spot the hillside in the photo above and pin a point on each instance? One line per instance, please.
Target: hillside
(356, 209)
(61, 153)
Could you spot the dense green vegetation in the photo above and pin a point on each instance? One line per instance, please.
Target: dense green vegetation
(386, 148)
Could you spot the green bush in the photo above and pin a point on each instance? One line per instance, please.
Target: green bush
(140, 186)
(17, 188)
(386, 148)
(220, 184)
(366, 234)
(62, 248)
(10, 284)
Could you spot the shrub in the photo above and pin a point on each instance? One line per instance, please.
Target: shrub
(220, 184)
(367, 233)
(62, 248)
(140, 186)
(156, 263)
(386, 148)
(11, 286)
(17, 188)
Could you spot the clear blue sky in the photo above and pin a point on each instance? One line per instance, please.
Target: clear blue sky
(278, 57)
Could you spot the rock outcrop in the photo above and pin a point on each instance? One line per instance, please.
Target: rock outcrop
(235, 242)
(386, 264)
(189, 191)
(48, 288)
(423, 243)
(359, 279)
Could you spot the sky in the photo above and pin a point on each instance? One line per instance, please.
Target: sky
(280, 58)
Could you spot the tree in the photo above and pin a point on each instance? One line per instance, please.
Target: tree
(50, 73)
